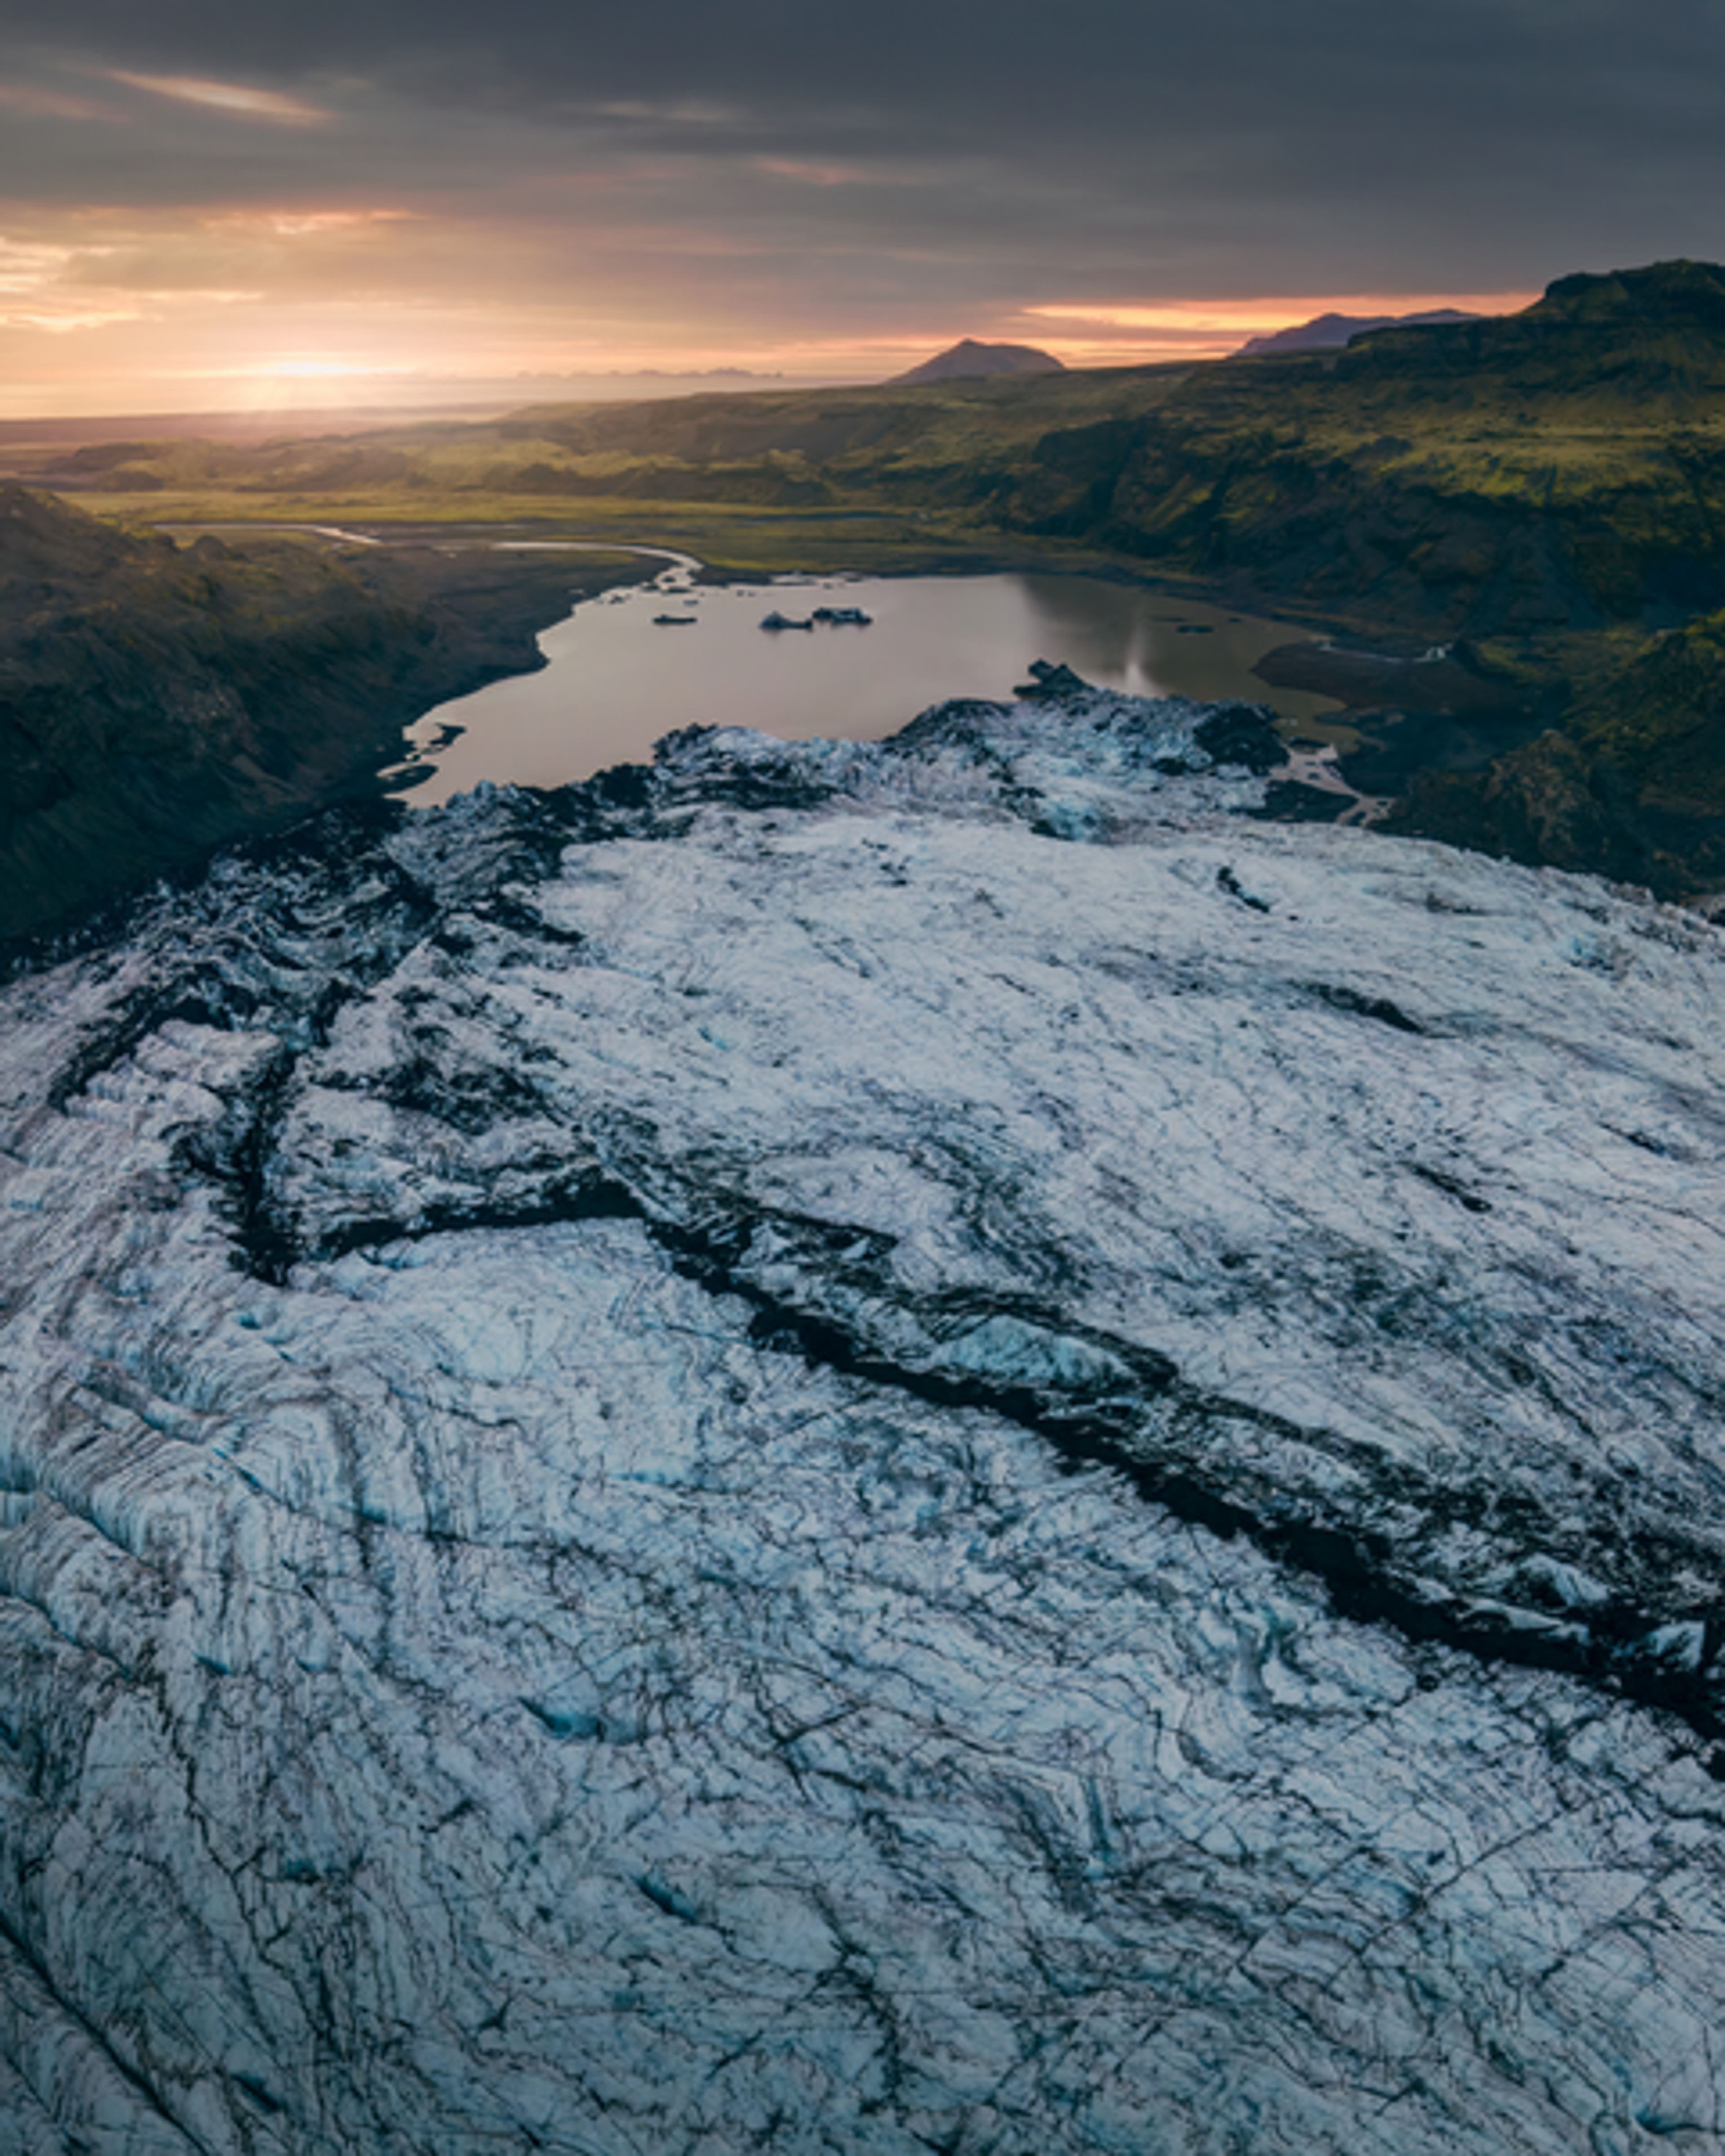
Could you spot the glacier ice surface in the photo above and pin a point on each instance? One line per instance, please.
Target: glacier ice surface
(864, 1447)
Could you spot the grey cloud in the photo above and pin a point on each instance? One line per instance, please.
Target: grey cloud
(1331, 143)
(972, 62)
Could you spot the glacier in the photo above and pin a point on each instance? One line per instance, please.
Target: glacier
(866, 1447)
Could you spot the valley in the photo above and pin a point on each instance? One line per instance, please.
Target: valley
(1544, 494)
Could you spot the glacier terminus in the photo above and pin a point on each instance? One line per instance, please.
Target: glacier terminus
(855, 1449)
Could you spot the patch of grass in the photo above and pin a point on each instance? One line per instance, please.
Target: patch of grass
(735, 540)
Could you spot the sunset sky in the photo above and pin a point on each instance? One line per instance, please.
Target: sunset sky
(208, 204)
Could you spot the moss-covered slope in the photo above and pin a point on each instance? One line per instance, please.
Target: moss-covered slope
(155, 700)
(1632, 785)
(1535, 475)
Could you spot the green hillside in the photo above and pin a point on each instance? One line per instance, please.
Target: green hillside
(1548, 486)
(1551, 471)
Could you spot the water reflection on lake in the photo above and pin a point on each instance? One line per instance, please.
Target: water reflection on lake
(617, 680)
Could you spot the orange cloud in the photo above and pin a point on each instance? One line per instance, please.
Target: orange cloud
(813, 176)
(47, 104)
(227, 97)
(307, 224)
(67, 325)
(26, 266)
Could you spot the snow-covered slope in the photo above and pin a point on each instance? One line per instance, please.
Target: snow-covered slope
(866, 1448)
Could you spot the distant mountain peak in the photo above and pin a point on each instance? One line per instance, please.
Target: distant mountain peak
(1331, 332)
(969, 358)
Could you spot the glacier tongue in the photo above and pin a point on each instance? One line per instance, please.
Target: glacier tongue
(760, 1458)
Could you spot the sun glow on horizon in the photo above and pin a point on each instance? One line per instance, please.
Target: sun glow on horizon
(308, 370)
(387, 305)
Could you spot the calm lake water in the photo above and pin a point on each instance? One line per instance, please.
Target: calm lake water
(616, 680)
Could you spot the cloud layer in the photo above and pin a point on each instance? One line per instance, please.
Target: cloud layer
(543, 185)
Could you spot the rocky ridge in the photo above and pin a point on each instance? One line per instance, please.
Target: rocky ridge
(866, 1447)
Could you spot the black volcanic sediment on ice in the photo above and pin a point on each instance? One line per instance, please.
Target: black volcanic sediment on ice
(851, 1447)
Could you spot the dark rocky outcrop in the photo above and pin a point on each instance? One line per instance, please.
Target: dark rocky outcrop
(1632, 786)
(1545, 804)
(157, 700)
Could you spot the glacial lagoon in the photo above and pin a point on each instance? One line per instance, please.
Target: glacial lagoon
(618, 675)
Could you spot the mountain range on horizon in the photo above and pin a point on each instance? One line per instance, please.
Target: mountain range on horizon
(1333, 332)
(973, 357)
